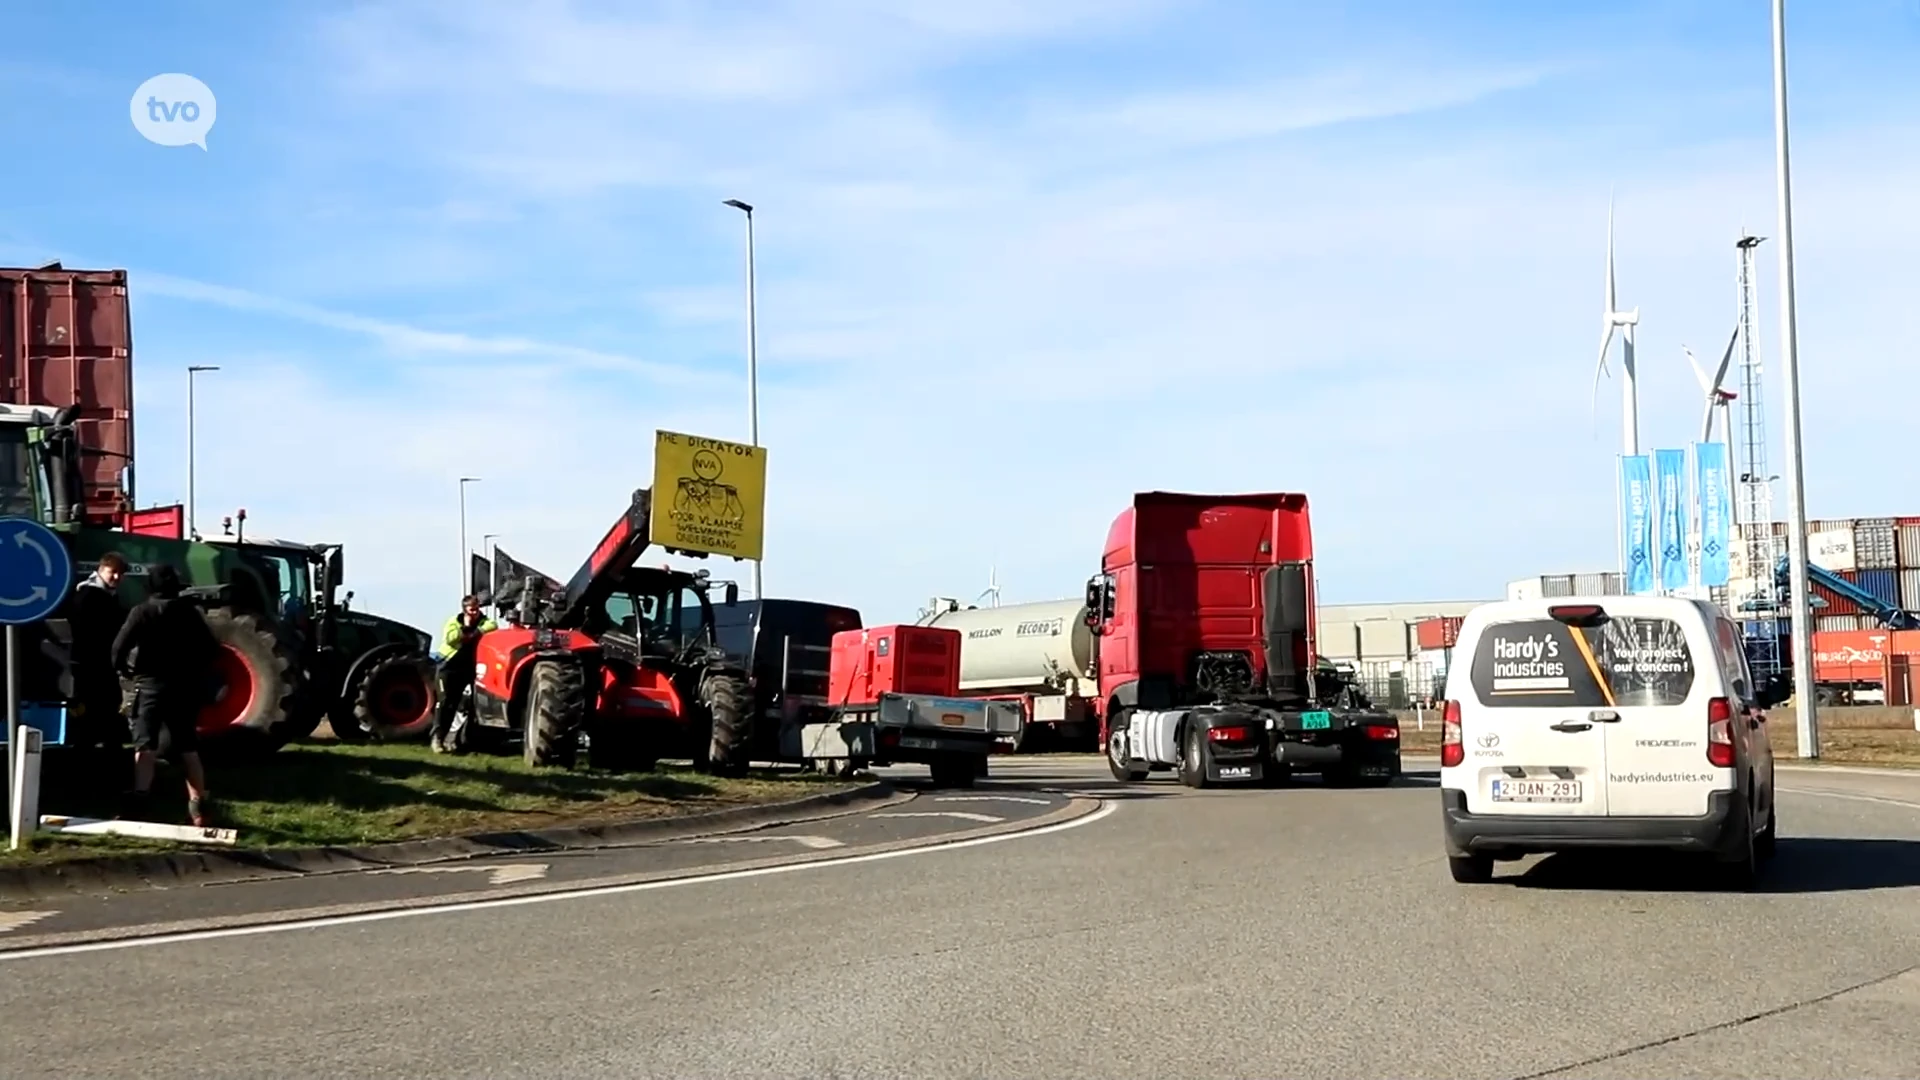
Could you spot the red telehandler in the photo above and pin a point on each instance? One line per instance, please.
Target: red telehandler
(624, 654)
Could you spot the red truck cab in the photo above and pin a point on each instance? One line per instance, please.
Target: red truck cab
(1204, 608)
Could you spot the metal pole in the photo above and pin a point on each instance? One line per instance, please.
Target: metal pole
(1808, 726)
(13, 733)
(466, 570)
(193, 528)
(753, 358)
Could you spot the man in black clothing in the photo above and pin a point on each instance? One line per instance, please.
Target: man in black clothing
(460, 638)
(168, 650)
(95, 616)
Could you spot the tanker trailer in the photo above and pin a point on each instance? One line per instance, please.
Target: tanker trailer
(1039, 654)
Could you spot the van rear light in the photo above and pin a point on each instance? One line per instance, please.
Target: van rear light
(1452, 750)
(1720, 733)
(1585, 615)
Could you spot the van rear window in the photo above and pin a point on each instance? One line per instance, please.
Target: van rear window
(1536, 663)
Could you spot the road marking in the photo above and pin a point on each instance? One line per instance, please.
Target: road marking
(496, 875)
(543, 898)
(993, 798)
(14, 920)
(964, 815)
(1849, 798)
(817, 843)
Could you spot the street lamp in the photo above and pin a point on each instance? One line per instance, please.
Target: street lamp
(466, 568)
(1807, 726)
(486, 545)
(193, 530)
(753, 357)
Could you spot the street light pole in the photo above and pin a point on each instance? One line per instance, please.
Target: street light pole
(753, 357)
(1808, 724)
(193, 528)
(466, 569)
(486, 545)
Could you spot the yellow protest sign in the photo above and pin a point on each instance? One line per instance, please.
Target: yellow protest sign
(708, 495)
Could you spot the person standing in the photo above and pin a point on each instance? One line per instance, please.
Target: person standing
(168, 650)
(95, 618)
(461, 640)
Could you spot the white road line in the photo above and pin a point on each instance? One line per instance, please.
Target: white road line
(817, 843)
(14, 920)
(961, 814)
(541, 898)
(496, 875)
(1849, 797)
(992, 798)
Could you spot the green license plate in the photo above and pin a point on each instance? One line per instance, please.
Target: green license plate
(1316, 721)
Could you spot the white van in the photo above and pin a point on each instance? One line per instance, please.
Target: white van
(1604, 722)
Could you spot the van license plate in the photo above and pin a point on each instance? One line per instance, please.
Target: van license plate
(1550, 791)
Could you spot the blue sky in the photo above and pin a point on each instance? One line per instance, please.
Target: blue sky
(1017, 260)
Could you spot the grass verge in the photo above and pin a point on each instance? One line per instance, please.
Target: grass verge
(332, 794)
(1848, 736)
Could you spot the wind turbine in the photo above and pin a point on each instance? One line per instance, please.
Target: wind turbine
(1718, 399)
(1609, 319)
(993, 587)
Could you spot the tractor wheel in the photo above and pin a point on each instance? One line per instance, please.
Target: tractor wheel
(395, 699)
(556, 706)
(727, 699)
(259, 680)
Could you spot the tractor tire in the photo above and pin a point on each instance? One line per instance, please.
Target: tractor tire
(396, 698)
(260, 683)
(728, 701)
(556, 707)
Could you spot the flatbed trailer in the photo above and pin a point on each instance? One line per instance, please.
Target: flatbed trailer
(952, 736)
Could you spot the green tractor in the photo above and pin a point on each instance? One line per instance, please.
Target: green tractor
(292, 654)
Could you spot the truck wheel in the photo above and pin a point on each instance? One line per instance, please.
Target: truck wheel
(396, 698)
(955, 770)
(1193, 760)
(1471, 869)
(726, 698)
(556, 706)
(258, 678)
(1119, 759)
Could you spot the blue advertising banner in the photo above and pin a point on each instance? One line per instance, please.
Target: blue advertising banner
(1716, 517)
(1670, 487)
(1636, 518)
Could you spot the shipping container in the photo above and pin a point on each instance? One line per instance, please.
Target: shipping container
(1883, 584)
(1831, 548)
(1837, 604)
(1838, 624)
(66, 339)
(1909, 544)
(1850, 655)
(1910, 590)
(1875, 544)
(1437, 633)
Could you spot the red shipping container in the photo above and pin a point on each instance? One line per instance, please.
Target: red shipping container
(1837, 604)
(1438, 632)
(66, 339)
(893, 660)
(1851, 655)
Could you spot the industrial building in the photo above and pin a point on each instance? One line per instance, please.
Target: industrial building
(1399, 651)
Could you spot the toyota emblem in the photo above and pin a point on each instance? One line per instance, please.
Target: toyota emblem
(1488, 741)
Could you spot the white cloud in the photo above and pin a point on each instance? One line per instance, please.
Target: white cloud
(980, 334)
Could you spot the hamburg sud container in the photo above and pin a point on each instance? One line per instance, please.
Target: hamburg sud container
(65, 339)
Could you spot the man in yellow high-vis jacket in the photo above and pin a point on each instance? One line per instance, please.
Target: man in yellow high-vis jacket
(459, 640)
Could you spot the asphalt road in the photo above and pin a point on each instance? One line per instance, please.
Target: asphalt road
(1300, 932)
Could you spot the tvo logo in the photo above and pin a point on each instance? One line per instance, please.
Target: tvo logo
(173, 110)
